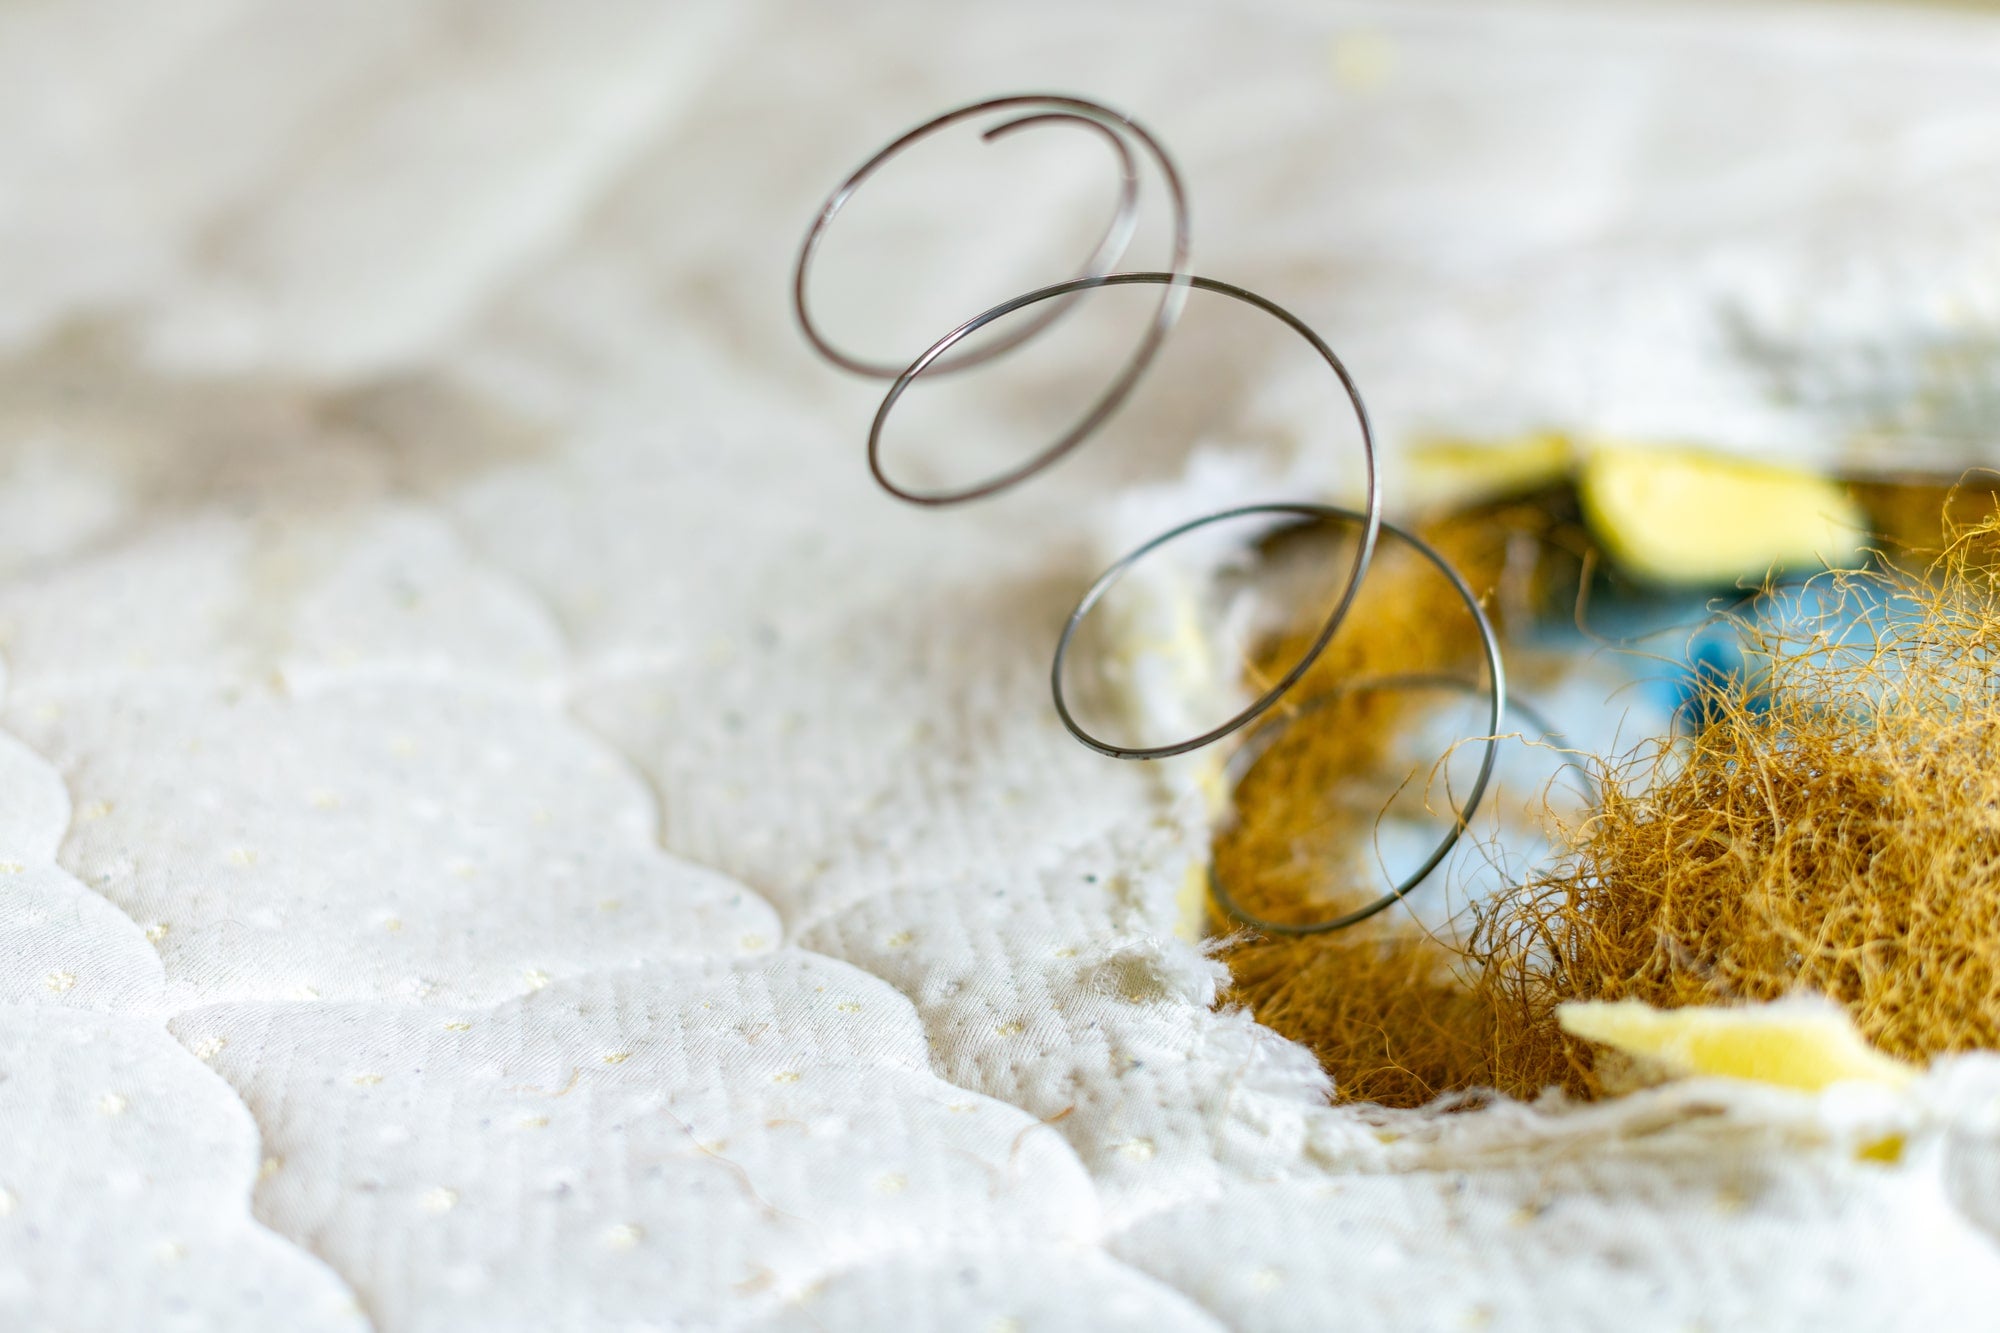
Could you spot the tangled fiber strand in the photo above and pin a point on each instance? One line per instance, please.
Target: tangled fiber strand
(1833, 826)
(1829, 823)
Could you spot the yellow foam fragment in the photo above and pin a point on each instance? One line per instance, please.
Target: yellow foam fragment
(1462, 472)
(1191, 904)
(1788, 1043)
(1174, 682)
(1686, 517)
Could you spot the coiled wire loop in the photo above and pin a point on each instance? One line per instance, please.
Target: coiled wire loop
(1128, 140)
(1038, 109)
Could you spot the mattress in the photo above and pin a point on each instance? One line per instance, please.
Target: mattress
(503, 827)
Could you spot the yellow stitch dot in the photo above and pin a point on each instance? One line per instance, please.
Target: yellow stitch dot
(536, 978)
(1136, 1150)
(112, 1103)
(304, 993)
(365, 1080)
(1065, 952)
(95, 810)
(624, 1236)
(269, 1167)
(392, 924)
(1011, 1028)
(60, 981)
(534, 1122)
(1887, 1150)
(156, 932)
(960, 1108)
(848, 1007)
(785, 1076)
(893, 1183)
(170, 1251)
(609, 904)
(1267, 1279)
(440, 1200)
(751, 943)
(322, 799)
(209, 1047)
(617, 1057)
(902, 939)
(1364, 61)
(242, 856)
(458, 1027)
(11, 867)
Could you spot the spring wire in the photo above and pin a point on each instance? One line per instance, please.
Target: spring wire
(1128, 141)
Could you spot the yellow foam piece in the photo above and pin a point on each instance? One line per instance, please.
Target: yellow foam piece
(1686, 517)
(1191, 904)
(1447, 473)
(1167, 649)
(1799, 1044)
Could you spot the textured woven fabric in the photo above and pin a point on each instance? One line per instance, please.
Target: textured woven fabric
(502, 827)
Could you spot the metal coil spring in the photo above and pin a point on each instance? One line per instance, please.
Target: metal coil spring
(1128, 140)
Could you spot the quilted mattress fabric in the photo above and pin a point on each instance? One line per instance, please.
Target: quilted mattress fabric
(501, 827)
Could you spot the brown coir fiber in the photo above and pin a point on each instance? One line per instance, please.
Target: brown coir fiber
(1832, 825)
(1386, 1008)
